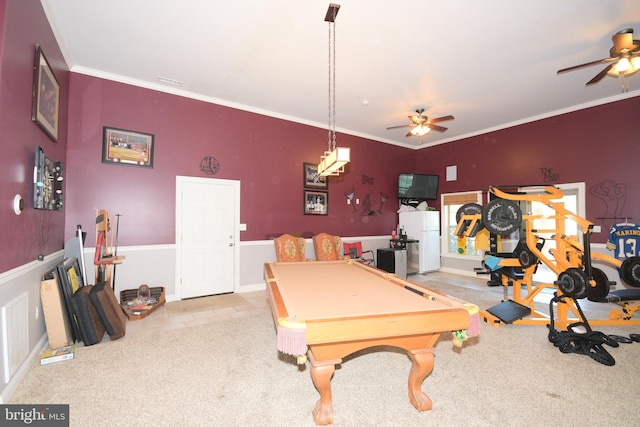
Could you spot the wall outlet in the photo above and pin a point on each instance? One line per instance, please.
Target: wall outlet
(597, 229)
(37, 312)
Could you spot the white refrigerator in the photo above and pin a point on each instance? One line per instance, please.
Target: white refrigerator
(423, 226)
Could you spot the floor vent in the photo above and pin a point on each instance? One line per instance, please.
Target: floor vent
(15, 334)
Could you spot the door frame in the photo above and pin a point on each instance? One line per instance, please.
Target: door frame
(180, 181)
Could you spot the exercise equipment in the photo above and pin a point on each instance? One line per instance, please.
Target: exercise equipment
(587, 342)
(568, 258)
(502, 217)
(471, 209)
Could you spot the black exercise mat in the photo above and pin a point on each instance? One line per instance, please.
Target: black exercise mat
(509, 311)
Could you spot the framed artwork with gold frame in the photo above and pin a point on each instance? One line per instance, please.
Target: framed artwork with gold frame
(46, 96)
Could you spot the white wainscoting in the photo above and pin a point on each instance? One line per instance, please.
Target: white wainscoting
(154, 265)
(26, 278)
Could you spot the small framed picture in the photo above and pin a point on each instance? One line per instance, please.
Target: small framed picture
(127, 147)
(316, 202)
(46, 96)
(311, 177)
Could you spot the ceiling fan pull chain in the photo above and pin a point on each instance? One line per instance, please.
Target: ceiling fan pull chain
(625, 83)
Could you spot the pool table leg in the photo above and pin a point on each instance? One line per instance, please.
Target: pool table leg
(321, 373)
(422, 365)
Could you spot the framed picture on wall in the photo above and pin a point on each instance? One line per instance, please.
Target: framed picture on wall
(46, 96)
(316, 202)
(311, 177)
(127, 147)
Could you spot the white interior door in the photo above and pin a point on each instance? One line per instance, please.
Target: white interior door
(207, 217)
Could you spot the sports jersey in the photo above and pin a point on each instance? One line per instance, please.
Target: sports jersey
(624, 239)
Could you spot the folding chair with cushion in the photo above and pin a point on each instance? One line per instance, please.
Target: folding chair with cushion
(290, 248)
(354, 250)
(328, 247)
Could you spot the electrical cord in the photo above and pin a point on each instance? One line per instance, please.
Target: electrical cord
(589, 343)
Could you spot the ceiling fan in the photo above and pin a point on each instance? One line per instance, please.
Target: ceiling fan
(422, 124)
(624, 57)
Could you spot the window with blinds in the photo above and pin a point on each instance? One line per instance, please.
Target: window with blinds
(452, 244)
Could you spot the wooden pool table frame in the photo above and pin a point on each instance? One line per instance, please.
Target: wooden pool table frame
(331, 339)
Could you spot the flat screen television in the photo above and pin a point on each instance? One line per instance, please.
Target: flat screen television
(418, 186)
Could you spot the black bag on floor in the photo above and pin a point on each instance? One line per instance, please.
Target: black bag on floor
(89, 322)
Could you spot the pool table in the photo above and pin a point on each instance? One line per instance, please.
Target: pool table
(326, 310)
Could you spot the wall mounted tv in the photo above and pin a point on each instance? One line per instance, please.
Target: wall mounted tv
(417, 186)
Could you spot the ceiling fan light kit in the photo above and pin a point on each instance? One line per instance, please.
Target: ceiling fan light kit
(420, 130)
(623, 60)
(335, 158)
(422, 125)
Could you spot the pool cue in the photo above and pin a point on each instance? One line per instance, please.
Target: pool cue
(115, 253)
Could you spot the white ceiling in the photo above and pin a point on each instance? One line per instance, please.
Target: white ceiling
(492, 64)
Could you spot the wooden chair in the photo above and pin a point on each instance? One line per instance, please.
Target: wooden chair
(290, 248)
(328, 247)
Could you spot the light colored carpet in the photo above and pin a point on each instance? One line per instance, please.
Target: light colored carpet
(230, 374)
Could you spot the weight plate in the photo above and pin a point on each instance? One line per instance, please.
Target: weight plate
(527, 258)
(630, 271)
(468, 209)
(502, 217)
(573, 283)
(601, 290)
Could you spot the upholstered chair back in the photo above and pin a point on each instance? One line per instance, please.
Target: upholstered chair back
(328, 247)
(290, 248)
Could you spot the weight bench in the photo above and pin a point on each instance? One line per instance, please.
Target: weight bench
(628, 299)
(622, 295)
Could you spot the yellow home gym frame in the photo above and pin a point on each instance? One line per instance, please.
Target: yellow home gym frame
(570, 260)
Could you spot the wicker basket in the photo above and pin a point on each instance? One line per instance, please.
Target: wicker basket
(137, 312)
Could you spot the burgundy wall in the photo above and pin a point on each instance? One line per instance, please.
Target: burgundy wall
(598, 145)
(265, 154)
(33, 232)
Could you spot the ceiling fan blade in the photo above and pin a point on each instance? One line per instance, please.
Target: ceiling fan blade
(587, 64)
(409, 135)
(442, 119)
(600, 75)
(438, 128)
(401, 126)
